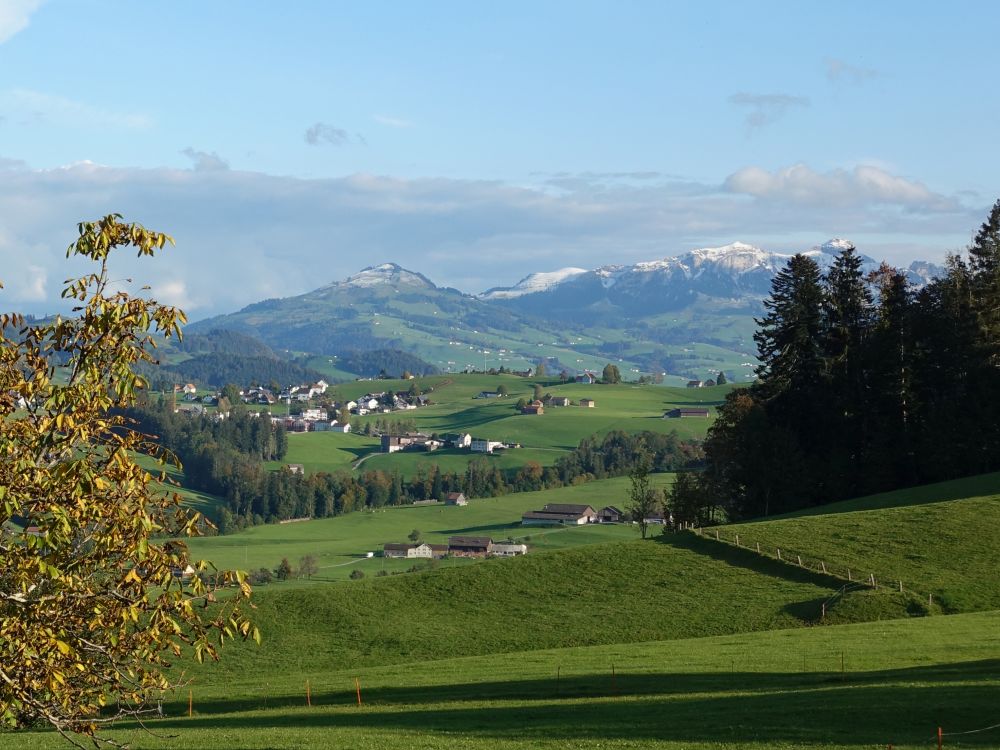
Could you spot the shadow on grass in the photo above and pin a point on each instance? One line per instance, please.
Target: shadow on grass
(746, 558)
(470, 530)
(904, 705)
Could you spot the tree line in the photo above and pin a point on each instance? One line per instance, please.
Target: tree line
(865, 385)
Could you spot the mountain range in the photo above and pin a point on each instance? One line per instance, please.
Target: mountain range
(687, 316)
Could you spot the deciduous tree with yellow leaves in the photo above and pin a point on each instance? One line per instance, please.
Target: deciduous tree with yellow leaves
(92, 606)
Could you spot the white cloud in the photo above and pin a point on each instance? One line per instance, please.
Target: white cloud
(765, 109)
(864, 184)
(322, 132)
(37, 107)
(392, 122)
(204, 161)
(244, 236)
(839, 70)
(15, 15)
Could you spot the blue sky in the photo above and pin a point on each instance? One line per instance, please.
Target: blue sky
(288, 145)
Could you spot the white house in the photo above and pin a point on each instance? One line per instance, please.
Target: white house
(504, 549)
(189, 388)
(481, 445)
(344, 427)
(403, 549)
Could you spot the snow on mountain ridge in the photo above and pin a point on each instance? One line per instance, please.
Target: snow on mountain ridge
(535, 282)
(386, 273)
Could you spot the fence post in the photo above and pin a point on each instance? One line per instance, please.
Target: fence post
(309, 701)
(822, 615)
(930, 600)
(799, 559)
(758, 548)
(737, 540)
(716, 535)
(357, 684)
(849, 575)
(822, 565)
(940, 739)
(900, 587)
(779, 552)
(871, 579)
(190, 703)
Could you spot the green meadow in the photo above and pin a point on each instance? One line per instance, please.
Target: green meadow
(340, 544)
(677, 642)
(454, 408)
(942, 549)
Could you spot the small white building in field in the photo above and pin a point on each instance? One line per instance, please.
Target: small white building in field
(344, 427)
(482, 445)
(505, 549)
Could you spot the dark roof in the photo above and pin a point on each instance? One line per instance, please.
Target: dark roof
(438, 547)
(454, 495)
(541, 515)
(689, 411)
(401, 545)
(567, 508)
(470, 541)
(613, 509)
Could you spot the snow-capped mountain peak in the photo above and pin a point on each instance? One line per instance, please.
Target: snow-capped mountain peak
(387, 273)
(533, 283)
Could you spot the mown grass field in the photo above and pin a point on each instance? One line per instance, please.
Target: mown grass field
(828, 688)
(949, 548)
(340, 543)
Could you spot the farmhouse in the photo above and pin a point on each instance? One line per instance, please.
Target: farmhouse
(458, 440)
(296, 468)
(559, 401)
(610, 514)
(404, 549)
(588, 403)
(189, 388)
(455, 498)
(508, 549)
(560, 513)
(487, 394)
(343, 427)
(482, 445)
(695, 384)
(588, 377)
(535, 407)
(414, 440)
(686, 413)
(470, 546)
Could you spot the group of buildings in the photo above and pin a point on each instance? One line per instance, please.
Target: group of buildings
(457, 546)
(567, 514)
(419, 441)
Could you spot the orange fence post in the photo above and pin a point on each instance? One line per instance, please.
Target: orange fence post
(357, 684)
(190, 703)
(308, 695)
(940, 739)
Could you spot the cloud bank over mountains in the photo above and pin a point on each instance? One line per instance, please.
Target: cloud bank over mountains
(246, 236)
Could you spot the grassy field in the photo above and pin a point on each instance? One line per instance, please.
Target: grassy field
(340, 543)
(677, 642)
(831, 688)
(949, 548)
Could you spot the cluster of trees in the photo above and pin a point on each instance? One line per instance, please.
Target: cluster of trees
(864, 385)
(218, 368)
